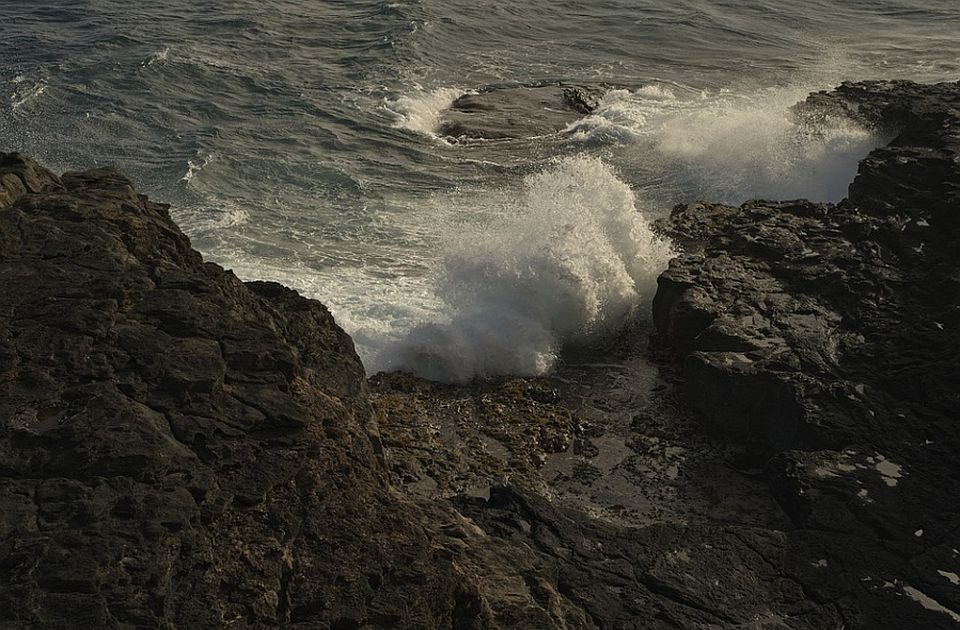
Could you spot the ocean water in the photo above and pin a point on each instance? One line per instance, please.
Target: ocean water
(296, 141)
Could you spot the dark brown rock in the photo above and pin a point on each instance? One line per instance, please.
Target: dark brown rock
(178, 448)
(828, 338)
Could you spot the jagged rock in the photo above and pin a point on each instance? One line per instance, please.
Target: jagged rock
(916, 172)
(828, 337)
(518, 112)
(178, 448)
(661, 576)
(21, 176)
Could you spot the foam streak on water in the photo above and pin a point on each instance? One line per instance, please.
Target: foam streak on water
(25, 93)
(571, 259)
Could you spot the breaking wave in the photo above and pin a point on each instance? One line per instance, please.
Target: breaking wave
(737, 149)
(573, 257)
(727, 146)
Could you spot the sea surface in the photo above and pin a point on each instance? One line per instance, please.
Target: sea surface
(295, 140)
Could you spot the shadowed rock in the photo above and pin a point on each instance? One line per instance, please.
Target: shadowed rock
(179, 448)
(828, 337)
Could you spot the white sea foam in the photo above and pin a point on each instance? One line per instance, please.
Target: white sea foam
(160, 55)
(376, 309)
(26, 92)
(571, 258)
(197, 164)
(740, 148)
(421, 110)
(563, 257)
(624, 114)
(727, 146)
(211, 217)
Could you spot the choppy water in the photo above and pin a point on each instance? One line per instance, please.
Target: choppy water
(294, 138)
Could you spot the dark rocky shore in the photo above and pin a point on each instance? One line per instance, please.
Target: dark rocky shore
(777, 449)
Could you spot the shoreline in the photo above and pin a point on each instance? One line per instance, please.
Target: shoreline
(777, 449)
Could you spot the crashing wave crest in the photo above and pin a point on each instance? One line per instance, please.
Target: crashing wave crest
(572, 258)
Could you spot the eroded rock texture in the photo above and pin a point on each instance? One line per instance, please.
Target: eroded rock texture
(178, 448)
(828, 337)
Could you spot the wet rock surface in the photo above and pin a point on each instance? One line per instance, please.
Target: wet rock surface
(605, 494)
(181, 449)
(518, 112)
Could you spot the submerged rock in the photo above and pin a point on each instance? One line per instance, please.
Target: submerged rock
(518, 112)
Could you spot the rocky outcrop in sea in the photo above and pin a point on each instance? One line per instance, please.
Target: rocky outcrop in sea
(778, 448)
(498, 113)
